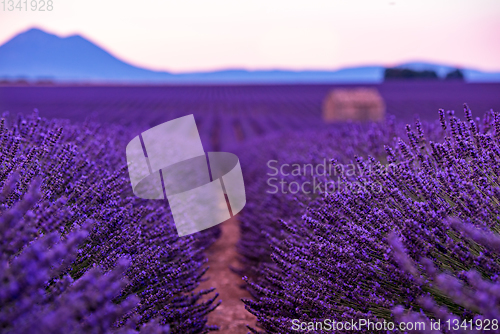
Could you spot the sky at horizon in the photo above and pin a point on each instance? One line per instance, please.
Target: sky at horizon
(200, 35)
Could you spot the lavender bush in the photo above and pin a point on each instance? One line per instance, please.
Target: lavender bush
(424, 248)
(266, 204)
(79, 253)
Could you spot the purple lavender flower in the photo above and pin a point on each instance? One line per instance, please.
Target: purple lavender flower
(79, 253)
(391, 255)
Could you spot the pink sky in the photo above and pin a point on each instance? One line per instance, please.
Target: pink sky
(191, 35)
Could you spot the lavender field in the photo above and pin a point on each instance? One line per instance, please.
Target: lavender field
(229, 114)
(405, 230)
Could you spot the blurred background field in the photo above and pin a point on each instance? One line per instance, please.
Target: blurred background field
(227, 115)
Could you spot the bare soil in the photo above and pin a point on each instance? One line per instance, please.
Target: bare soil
(230, 316)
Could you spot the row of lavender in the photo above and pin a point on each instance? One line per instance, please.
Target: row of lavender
(282, 171)
(406, 231)
(78, 252)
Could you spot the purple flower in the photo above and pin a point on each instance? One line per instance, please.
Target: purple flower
(78, 252)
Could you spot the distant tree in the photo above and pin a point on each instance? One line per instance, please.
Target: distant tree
(44, 82)
(455, 75)
(21, 82)
(405, 73)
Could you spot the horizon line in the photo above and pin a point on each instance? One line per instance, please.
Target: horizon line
(254, 69)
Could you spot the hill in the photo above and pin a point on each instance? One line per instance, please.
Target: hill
(36, 55)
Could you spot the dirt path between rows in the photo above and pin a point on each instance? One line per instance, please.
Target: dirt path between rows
(230, 316)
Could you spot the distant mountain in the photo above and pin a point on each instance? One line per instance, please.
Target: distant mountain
(35, 54)
(38, 55)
